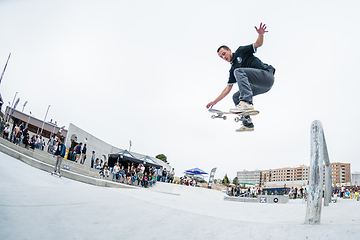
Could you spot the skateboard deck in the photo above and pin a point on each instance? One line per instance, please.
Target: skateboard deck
(56, 174)
(240, 115)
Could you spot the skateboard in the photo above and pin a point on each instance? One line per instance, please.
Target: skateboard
(57, 174)
(240, 115)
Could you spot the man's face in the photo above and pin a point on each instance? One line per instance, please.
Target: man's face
(225, 54)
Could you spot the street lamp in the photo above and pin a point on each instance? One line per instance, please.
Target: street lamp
(42, 127)
(7, 117)
(24, 106)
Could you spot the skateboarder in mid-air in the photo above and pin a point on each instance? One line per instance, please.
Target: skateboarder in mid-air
(252, 76)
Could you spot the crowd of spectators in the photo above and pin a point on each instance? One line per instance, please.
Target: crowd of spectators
(138, 174)
(188, 181)
(19, 134)
(346, 192)
(293, 192)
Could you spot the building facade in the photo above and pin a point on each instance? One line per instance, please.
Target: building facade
(249, 177)
(295, 175)
(340, 173)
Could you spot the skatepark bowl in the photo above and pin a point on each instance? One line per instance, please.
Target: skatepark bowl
(36, 205)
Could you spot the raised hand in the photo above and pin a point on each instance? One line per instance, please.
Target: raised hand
(262, 29)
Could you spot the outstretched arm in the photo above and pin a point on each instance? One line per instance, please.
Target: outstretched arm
(261, 31)
(220, 97)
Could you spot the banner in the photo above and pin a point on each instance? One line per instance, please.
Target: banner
(211, 177)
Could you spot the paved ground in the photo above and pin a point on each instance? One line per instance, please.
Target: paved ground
(36, 205)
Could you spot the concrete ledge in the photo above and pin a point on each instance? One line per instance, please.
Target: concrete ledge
(46, 163)
(260, 199)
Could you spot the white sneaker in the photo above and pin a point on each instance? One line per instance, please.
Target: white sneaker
(242, 107)
(244, 129)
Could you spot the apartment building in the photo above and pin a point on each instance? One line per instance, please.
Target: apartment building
(249, 177)
(340, 172)
(289, 174)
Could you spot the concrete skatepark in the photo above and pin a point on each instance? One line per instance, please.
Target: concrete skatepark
(36, 205)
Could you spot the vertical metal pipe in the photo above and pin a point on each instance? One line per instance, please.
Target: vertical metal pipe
(328, 175)
(42, 127)
(314, 201)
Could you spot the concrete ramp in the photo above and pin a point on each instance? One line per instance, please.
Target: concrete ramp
(188, 192)
(36, 205)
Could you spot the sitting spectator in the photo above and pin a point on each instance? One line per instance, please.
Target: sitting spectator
(97, 164)
(116, 171)
(139, 177)
(128, 176)
(104, 170)
(145, 181)
(122, 174)
(133, 176)
(6, 131)
(32, 142)
(152, 179)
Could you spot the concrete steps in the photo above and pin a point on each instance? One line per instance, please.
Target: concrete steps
(46, 162)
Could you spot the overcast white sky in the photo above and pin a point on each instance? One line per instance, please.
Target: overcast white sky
(145, 70)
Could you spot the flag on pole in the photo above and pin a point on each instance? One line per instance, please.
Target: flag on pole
(5, 68)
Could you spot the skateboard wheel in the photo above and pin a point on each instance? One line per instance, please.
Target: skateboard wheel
(213, 116)
(224, 117)
(237, 119)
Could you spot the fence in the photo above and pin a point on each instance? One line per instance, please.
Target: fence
(319, 155)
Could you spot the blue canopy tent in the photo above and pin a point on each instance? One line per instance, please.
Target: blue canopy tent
(195, 171)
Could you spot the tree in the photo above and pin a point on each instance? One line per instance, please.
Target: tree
(236, 181)
(162, 157)
(226, 179)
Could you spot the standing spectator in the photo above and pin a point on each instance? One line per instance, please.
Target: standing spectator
(50, 144)
(342, 191)
(92, 159)
(142, 167)
(2, 124)
(164, 173)
(26, 139)
(78, 152)
(305, 193)
(159, 174)
(171, 175)
(301, 193)
(60, 153)
(83, 155)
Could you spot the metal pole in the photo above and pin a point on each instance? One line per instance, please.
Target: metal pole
(319, 154)
(27, 123)
(42, 127)
(328, 175)
(24, 106)
(12, 105)
(5, 68)
(314, 200)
